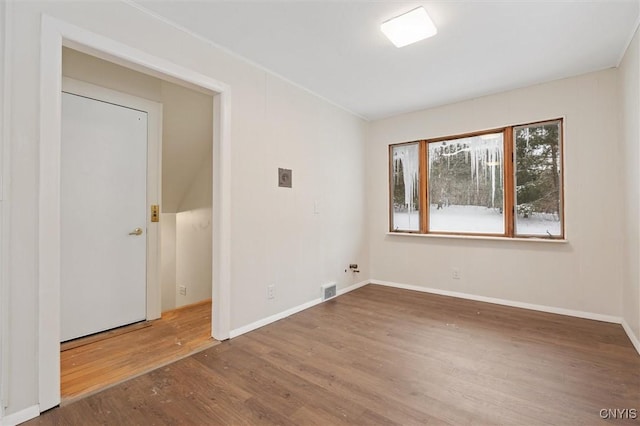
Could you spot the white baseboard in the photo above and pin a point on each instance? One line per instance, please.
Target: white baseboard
(352, 287)
(553, 310)
(531, 306)
(273, 318)
(632, 337)
(21, 416)
(280, 315)
(542, 308)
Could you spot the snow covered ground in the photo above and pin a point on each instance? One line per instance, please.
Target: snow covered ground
(474, 219)
(477, 219)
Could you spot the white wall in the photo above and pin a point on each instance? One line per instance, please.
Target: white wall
(200, 189)
(187, 126)
(4, 306)
(168, 260)
(275, 236)
(583, 274)
(629, 79)
(193, 255)
(193, 238)
(93, 70)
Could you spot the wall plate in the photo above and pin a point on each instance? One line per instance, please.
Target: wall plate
(284, 178)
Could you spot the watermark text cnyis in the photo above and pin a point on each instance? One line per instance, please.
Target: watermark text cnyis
(619, 413)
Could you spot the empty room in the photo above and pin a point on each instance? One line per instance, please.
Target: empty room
(376, 212)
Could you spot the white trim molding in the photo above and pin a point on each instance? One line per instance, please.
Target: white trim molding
(522, 305)
(54, 35)
(20, 416)
(504, 302)
(352, 287)
(273, 318)
(5, 128)
(634, 339)
(221, 243)
(284, 314)
(628, 43)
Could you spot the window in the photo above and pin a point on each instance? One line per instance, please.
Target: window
(465, 184)
(405, 187)
(503, 182)
(538, 179)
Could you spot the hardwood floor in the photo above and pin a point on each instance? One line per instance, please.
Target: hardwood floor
(99, 361)
(387, 356)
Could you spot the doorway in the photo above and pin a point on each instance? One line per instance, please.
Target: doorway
(105, 142)
(54, 35)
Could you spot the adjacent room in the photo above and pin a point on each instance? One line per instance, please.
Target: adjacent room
(100, 349)
(319, 212)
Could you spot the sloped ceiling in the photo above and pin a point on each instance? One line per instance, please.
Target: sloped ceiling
(187, 136)
(187, 119)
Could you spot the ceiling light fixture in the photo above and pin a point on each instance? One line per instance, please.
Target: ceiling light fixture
(409, 27)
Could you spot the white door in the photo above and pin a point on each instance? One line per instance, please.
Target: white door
(103, 216)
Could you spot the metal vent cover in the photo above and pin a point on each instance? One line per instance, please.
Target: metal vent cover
(329, 291)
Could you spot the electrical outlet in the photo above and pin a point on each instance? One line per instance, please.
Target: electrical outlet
(271, 291)
(455, 273)
(183, 290)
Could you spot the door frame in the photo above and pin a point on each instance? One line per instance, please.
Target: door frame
(55, 34)
(153, 109)
(5, 119)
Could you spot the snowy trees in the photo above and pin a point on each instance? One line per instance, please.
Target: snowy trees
(506, 182)
(538, 168)
(467, 171)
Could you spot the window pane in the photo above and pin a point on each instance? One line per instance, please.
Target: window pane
(405, 187)
(538, 179)
(466, 185)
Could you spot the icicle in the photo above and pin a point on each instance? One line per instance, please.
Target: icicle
(492, 160)
(408, 156)
(484, 156)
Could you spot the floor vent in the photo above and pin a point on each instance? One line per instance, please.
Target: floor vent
(329, 291)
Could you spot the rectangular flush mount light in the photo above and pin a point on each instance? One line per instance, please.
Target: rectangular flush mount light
(409, 27)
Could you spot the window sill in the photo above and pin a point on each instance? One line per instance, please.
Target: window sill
(480, 237)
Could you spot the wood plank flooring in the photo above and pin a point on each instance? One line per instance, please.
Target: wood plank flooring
(83, 341)
(99, 361)
(384, 356)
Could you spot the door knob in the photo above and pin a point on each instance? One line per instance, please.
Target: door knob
(137, 231)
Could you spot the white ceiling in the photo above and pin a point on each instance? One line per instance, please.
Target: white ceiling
(336, 50)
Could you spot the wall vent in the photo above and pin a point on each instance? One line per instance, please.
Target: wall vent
(329, 291)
